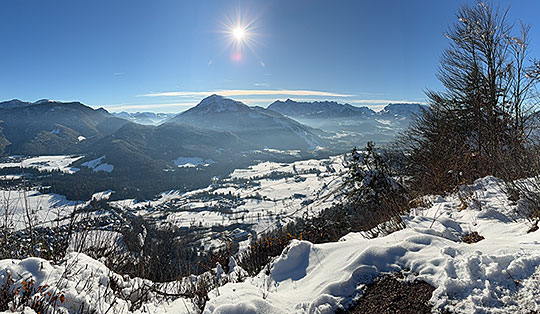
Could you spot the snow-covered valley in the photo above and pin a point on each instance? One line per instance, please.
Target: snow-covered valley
(498, 274)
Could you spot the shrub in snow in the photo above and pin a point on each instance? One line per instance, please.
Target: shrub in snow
(480, 124)
(374, 198)
(526, 194)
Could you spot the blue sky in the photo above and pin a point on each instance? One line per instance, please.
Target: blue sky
(167, 55)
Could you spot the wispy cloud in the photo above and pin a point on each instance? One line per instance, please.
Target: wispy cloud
(255, 97)
(151, 107)
(372, 103)
(261, 84)
(249, 92)
(384, 101)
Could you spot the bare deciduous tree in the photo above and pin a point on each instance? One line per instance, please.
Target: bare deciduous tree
(479, 123)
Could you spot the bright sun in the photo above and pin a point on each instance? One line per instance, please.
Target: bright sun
(239, 33)
(241, 36)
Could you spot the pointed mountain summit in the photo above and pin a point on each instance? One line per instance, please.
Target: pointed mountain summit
(257, 125)
(219, 103)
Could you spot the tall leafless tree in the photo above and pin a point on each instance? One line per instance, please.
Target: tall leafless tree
(480, 119)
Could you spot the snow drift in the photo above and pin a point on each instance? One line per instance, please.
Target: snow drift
(498, 274)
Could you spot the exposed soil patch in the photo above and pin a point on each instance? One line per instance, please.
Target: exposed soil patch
(533, 229)
(389, 295)
(472, 237)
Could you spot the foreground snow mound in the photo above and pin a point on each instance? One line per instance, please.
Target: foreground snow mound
(498, 274)
(82, 284)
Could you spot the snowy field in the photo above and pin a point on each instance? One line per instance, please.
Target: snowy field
(43, 163)
(262, 196)
(191, 162)
(44, 209)
(98, 165)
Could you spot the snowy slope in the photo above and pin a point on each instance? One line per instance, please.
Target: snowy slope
(190, 162)
(498, 274)
(98, 165)
(86, 286)
(43, 163)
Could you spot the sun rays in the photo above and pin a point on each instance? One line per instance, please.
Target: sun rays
(241, 35)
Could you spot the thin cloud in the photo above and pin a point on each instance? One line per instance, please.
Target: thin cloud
(384, 101)
(181, 105)
(149, 107)
(368, 102)
(261, 84)
(249, 92)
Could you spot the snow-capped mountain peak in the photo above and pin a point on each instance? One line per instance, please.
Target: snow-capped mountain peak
(43, 101)
(219, 103)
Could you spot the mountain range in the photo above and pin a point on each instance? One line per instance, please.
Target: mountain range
(261, 127)
(148, 118)
(164, 151)
(332, 109)
(319, 109)
(350, 125)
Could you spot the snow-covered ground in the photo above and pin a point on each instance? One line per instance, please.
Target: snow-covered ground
(293, 152)
(500, 274)
(190, 162)
(43, 163)
(258, 196)
(44, 209)
(98, 165)
(82, 283)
